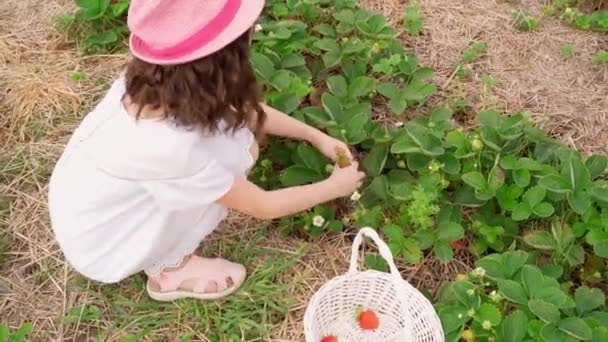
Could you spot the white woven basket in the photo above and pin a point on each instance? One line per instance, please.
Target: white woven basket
(404, 313)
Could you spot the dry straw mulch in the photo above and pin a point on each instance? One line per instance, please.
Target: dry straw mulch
(568, 97)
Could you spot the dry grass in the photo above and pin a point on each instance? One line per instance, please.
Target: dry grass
(568, 97)
(40, 104)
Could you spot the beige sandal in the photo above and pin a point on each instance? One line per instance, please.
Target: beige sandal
(205, 272)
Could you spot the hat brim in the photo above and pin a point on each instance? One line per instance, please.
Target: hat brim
(244, 19)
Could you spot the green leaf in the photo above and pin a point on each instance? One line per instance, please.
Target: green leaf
(428, 143)
(512, 291)
(362, 86)
(332, 58)
(551, 333)
(507, 196)
(4, 332)
(456, 139)
(450, 231)
(337, 85)
(312, 158)
(543, 210)
(318, 117)
(596, 164)
(299, 175)
(453, 317)
(425, 238)
(532, 280)
(509, 162)
(451, 165)
(579, 201)
(325, 29)
(423, 74)
(375, 160)
(599, 193)
(588, 299)
(93, 9)
(292, 61)
(576, 327)
(397, 105)
(332, 105)
(410, 250)
(600, 334)
(547, 312)
(513, 262)
(521, 212)
(327, 45)
(491, 138)
(496, 178)
(376, 262)
(534, 196)
(522, 177)
(393, 232)
(576, 172)
(417, 162)
(489, 118)
(576, 255)
(262, 65)
(601, 249)
(475, 179)
(443, 251)
(405, 145)
(389, 90)
(286, 102)
(490, 313)
(119, 8)
(514, 327)
(466, 293)
(540, 240)
(555, 183)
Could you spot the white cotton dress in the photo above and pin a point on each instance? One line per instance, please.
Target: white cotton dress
(133, 195)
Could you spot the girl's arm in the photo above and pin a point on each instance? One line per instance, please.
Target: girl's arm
(282, 125)
(249, 199)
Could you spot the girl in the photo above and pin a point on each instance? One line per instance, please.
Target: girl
(157, 164)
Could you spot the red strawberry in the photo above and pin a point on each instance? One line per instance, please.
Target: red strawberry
(343, 160)
(329, 339)
(368, 320)
(459, 244)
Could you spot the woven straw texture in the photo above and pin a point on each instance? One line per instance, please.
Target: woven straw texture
(404, 313)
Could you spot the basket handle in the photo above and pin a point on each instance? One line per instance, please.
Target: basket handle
(385, 252)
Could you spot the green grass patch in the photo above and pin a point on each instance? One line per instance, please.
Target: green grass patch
(123, 310)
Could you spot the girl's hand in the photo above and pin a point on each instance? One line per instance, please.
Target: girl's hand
(331, 147)
(345, 181)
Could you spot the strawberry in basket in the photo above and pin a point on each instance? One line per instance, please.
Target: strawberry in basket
(368, 320)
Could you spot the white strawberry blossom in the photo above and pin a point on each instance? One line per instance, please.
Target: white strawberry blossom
(486, 325)
(318, 221)
(355, 196)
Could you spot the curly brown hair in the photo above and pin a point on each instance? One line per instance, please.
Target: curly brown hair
(202, 93)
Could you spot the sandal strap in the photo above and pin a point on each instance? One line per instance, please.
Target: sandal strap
(203, 271)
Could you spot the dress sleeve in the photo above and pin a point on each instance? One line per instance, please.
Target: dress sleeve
(201, 188)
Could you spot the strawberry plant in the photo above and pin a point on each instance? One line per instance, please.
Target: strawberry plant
(412, 19)
(509, 298)
(19, 335)
(98, 24)
(570, 11)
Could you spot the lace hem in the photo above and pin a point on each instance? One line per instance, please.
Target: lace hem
(170, 261)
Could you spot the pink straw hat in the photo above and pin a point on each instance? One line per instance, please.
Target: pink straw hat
(181, 31)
